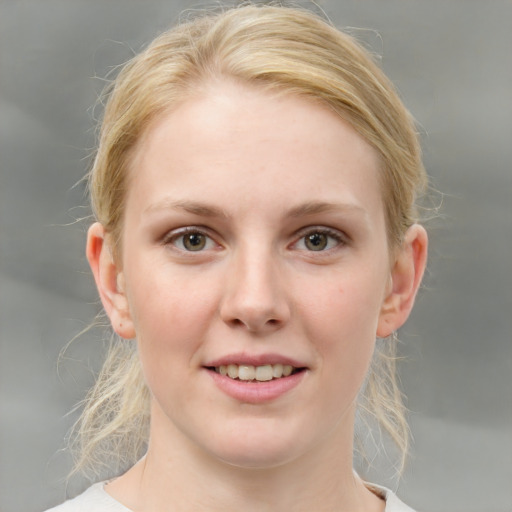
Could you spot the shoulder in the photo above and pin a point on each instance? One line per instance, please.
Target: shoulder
(393, 503)
(94, 499)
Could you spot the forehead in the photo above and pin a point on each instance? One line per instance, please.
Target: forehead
(233, 140)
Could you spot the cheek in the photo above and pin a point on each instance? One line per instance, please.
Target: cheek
(348, 303)
(342, 317)
(171, 317)
(165, 300)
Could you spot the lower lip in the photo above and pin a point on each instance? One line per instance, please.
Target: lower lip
(254, 392)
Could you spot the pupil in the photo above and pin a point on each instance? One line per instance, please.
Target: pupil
(316, 241)
(194, 242)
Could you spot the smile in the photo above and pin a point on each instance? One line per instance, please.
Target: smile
(256, 384)
(262, 373)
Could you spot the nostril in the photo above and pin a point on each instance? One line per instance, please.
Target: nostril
(255, 325)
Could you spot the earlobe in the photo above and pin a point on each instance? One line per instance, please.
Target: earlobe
(405, 281)
(109, 281)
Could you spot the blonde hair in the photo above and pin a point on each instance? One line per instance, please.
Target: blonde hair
(288, 50)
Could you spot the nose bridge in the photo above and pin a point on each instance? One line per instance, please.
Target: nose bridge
(254, 295)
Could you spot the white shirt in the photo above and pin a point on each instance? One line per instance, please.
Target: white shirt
(96, 499)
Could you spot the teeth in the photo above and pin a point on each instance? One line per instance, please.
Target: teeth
(264, 373)
(260, 373)
(246, 372)
(232, 371)
(277, 371)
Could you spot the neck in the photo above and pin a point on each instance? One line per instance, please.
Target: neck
(176, 475)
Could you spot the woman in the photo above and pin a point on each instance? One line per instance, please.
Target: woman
(254, 190)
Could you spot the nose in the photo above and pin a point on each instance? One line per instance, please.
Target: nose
(255, 296)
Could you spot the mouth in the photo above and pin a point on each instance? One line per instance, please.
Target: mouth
(263, 373)
(256, 379)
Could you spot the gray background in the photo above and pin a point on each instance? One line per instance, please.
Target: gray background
(451, 61)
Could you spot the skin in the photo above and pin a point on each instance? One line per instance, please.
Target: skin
(254, 174)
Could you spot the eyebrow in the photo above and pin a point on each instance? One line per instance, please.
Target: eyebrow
(193, 207)
(206, 210)
(314, 208)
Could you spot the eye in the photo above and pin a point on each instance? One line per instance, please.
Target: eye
(319, 240)
(190, 240)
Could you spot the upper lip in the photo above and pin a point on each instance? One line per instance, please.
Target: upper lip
(254, 360)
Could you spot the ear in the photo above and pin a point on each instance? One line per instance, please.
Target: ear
(109, 281)
(405, 279)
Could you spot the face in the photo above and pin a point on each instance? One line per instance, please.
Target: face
(254, 245)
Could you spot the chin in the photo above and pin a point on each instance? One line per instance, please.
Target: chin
(257, 459)
(259, 448)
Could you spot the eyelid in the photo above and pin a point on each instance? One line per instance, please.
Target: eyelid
(170, 237)
(338, 235)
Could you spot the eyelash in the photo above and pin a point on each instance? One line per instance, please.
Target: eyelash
(173, 237)
(340, 239)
